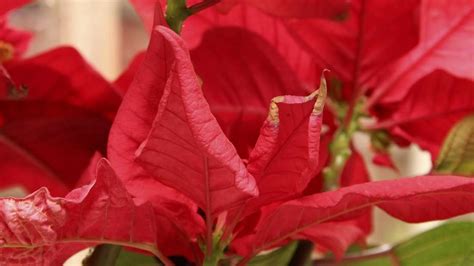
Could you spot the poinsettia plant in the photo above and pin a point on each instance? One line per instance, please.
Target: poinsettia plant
(220, 146)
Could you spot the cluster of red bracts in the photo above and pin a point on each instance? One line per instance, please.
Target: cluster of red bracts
(202, 147)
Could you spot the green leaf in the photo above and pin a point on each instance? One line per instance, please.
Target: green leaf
(280, 256)
(446, 245)
(127, 258)
(457, 152)
(103, 255)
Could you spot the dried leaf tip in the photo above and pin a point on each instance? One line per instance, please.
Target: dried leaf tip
(322, 93)
(273, 113)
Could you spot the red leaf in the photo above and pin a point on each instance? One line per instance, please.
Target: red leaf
(8, 5)
(334, 236)
(243, 15)
(208, 169)
(355, 172)
(384, 159)
(132, 126)
(357, 48)
(302, 8)
(36, 227)
(62, 75)
(431, 107)
(241, 73)
(286, 155)
(415, 199)
(446, 42)
(139, 106)
(48, 137)
(17, 39)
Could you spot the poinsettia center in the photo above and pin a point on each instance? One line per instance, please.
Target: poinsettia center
(6, 51)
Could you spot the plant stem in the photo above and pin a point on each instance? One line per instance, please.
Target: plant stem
(103, 255)
(340, 148)
(217, 253)
(176, 14)
(302, 253)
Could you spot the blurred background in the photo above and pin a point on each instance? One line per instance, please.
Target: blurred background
(108, 33)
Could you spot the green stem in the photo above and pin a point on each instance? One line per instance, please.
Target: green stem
(217, 253)
(103, 255)
(340, 148)
(176, 14)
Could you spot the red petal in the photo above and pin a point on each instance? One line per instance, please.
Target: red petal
(268, 27)
(302, 8)
(334, 236)
(355, 172)
(186, 149)
(241, 73)
(8, 5)
(20, 40)
(62, 75)
(139, 107)
(33, 228)
(132, 125)
(429, 110)
(446, 42)
(286, 155)
(384, 159)
(358, 47)
(49, 136)
(428, 198)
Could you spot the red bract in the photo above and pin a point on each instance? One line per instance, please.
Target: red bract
(240, 101)
(190, 175)
(425, 195)
(301, 8)
(49, 135)
(13, 42)
(186, 140)
(158, 152)
(446, 42)
(39, 229)
(8, 5)
(433, 105)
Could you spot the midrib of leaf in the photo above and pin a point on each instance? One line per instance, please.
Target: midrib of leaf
(358, 54)
(417, 60)
(340, 214)
(287, 139)
(28, 155)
